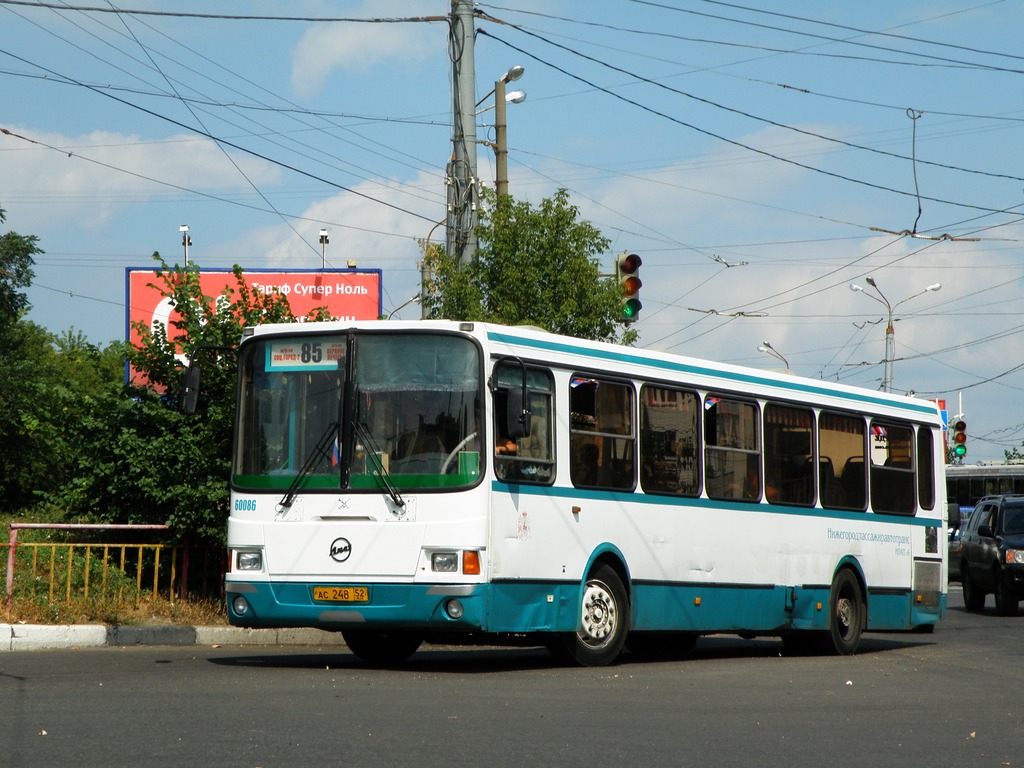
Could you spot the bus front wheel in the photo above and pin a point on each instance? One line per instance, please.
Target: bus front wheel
(604, 621)
(384, 648)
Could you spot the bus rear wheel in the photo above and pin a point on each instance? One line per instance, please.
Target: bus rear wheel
(604, 622)
(846, 613)
(384, 648)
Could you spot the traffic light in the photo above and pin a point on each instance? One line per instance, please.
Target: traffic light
(627, 273)
(959, 438)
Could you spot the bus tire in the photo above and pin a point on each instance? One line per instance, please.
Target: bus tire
(604, 621)
(383, 648)
(846, 613)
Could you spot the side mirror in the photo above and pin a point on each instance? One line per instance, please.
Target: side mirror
(190, 389)
(517, 414)
(986, 531)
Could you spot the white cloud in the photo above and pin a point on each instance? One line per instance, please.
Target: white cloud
(94, 177)
(360, 47)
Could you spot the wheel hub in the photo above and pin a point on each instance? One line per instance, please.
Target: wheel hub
(599, 614)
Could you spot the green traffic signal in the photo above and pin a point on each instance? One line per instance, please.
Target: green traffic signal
(627, 267)
(630, 309)
(960, 438)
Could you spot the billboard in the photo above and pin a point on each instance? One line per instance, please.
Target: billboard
(348, 294)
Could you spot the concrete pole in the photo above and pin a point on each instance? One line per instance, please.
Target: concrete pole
(890, 355)
(463, 198)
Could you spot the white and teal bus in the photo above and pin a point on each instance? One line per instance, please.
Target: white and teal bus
(404, 482)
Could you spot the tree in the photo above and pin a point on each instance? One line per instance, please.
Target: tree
(143, 461)
(532, 267)
(26, 359)
(16, 252)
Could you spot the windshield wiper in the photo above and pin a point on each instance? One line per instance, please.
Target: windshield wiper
(378, 464)
(319, 451)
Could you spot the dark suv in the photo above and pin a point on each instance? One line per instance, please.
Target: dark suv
(992, 553)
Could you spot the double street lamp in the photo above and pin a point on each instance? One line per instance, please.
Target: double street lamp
(500, 145)
(768, 349)
(890, 335)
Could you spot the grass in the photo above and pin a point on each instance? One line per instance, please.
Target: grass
(114, 611)
(113, 598)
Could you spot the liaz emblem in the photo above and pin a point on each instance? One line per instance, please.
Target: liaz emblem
(341, 550)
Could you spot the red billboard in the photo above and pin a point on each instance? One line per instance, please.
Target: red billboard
(348, 294)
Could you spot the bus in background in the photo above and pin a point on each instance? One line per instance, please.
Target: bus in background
(436, 481)
(967, 483)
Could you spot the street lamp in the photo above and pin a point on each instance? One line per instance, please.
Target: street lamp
(890, 335)
(500, 145)
(767, 348)
(402, 306)
(324, 240)
(186, 240)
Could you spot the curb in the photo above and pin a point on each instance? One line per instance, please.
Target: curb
(39, 637)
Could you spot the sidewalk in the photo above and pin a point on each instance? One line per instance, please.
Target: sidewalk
(39, 637)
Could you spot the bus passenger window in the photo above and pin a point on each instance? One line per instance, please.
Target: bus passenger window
(669, 441)
(842, 446)
(732, 456)
(602, 439)
(892, 468)
(925, 468)
(788, 450)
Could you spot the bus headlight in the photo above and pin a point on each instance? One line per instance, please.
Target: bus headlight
(444, 562)
(249, 560)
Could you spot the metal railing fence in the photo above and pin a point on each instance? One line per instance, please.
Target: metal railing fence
(74, 569)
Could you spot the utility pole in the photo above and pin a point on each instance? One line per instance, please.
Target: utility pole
(463, 195)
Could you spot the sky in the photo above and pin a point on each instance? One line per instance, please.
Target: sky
(759, 156)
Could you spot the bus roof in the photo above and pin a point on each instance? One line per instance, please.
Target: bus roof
(542, 346)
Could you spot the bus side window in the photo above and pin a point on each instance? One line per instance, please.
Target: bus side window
(893, 481)
(669, 440)
(925, 468)
(732, 451)
(602, 436)
(530, 458)
(842, 448)
(788, 444)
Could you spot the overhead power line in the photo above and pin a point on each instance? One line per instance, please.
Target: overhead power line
(742, 113)
(229, 16)
(222, 141)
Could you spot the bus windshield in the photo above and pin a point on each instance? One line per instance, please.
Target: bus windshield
(412, 418)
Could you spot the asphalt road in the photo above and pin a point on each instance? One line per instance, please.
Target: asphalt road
(951, 698)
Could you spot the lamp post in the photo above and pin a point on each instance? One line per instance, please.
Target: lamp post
(501, 125)
(186, 240)
(324, 240)
(500, 143)
(890, 334)
(767, 348)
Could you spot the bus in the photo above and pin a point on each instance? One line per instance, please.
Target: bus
(966, 484)
(464, 482)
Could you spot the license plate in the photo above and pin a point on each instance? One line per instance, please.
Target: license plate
(341, 594)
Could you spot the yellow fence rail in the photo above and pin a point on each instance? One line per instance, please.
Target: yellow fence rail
(73, 569)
